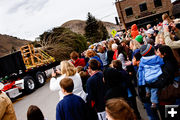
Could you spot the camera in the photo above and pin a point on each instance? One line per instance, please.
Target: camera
(170, 28)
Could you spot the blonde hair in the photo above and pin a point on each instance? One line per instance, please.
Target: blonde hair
(67, 68)
(136, 44)
(161, 35)
(165, 16)
(90, 53)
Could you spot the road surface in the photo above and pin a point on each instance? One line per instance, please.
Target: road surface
(47, 100)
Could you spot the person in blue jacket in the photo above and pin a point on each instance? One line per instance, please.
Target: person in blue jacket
(149, 71)
(152, 114)
(71, 107)
(91, 54)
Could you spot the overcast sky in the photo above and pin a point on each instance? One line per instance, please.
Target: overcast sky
(27, 19)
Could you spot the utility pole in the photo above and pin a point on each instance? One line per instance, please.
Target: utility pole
(122, 16)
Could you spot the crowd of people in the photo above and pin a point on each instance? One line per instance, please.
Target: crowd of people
(104, 81)
(141, 62)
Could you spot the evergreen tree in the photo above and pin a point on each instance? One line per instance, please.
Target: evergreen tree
(103, 30)
(91, 29)
(95, 31)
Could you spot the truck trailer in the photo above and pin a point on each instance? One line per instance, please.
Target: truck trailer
(25, 70)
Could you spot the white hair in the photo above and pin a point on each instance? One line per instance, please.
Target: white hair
(114, 46)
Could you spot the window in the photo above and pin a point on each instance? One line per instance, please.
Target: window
(157, 3)
(129, 11)
(143, 7)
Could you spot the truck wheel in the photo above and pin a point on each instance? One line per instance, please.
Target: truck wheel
(40, 79)
(29, 84)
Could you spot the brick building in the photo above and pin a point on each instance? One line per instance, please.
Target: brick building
(142, 12)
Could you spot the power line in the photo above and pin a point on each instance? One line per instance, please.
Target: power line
(107, 15)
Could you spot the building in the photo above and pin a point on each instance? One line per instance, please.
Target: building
(176, 9)
(141, 12)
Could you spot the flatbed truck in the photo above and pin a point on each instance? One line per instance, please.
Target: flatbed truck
(25, 70)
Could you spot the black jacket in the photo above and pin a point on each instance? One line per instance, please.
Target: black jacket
(166, 77)
(117, 82)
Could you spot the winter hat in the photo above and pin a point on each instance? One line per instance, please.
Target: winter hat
(147, 50)
(1, 86)
(150, 31)
(139, 38)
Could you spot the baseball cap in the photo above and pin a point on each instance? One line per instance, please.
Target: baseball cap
(150, 31)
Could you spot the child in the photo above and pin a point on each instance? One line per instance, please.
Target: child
(166, 19)
(149, 71)
(118, 109)
(71, 107)
(34, 113)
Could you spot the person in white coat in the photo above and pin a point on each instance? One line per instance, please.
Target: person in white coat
(67, 70)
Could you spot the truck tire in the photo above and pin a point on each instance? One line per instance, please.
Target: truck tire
(40, 79)
(29, 84)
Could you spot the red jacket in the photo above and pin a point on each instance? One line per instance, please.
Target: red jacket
(79, 62)
(115, 55)
(134, 31)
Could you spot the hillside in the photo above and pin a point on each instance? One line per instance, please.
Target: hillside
(8, 42)
(78, 26)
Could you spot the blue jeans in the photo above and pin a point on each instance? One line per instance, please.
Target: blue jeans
(153, 91)
(154, 96)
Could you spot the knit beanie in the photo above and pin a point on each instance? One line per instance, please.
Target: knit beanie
(147, 50)
(139, 38)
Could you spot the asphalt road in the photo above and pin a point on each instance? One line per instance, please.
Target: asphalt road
(47, 100)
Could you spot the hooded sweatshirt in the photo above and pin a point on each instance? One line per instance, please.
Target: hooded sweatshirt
(149, 69)
(134, 31)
